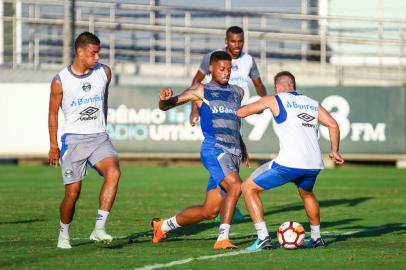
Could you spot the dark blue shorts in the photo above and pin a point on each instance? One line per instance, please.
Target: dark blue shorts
(272, 175)
(219, 164)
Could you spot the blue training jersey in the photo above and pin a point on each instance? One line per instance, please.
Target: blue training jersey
(219, 122)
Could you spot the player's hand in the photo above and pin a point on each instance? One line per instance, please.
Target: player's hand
(336, 158)
(193, 118)
(165, 93)
(53, 156)
(246, 159)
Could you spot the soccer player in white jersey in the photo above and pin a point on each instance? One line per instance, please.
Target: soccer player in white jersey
(243, 68)
(81, 90)
(299, 160)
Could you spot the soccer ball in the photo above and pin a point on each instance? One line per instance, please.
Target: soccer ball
(291, 234)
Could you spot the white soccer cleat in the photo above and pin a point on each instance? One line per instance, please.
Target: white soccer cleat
(64, 242)
(100, 235)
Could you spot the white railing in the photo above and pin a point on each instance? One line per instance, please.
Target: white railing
(41, 35)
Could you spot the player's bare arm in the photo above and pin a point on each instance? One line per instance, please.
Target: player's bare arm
(198, 78)
(55, 100)
(259, 86)
(106, 92)
(327, 120)
(194, 114)
(168, 101)
(267, 102)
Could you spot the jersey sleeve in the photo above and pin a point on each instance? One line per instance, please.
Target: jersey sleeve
(204, 65)
(254, 72)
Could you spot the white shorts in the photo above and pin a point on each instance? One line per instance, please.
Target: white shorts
(79, 150)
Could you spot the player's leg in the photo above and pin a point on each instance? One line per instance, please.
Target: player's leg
(305, 186)
(190, 215)
(232, 185)
(265, 177)
(110, 169)
(73, 171)
(67, 210)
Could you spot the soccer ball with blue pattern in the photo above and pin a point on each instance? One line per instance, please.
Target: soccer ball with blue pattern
(291, 235)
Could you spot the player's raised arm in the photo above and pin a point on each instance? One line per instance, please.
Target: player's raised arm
(168, 101)
(327, 120)
(267, 102)
(55, 100)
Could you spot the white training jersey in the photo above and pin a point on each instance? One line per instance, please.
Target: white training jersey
(297, 129)
(242, 68)
(83, 100)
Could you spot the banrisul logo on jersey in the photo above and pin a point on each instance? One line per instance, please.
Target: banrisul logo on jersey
(222, 109)
(86, 87)
(88, 114)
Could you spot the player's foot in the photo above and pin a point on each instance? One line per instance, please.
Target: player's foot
(261, 244)
(64, 242)
(100, 235)
(237, 216)
(224, 244)
(319, 243)
(156, 224)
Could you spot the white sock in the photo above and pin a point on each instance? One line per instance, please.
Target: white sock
(64, 229)
(262, 231)
(170, 224)
(315, 232)
(223, 231)
(101, 219)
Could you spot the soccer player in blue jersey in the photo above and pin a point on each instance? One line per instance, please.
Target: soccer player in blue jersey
(243, 69)
(221, 152)
(299, 161)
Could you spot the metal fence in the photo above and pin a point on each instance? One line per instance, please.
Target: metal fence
(38, 34)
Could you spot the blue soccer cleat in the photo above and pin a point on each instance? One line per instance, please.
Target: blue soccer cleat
(261, 244)
(319, 243)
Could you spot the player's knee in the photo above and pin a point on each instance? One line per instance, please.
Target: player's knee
(211, 213)
(246, 187)
(72, 194)
(113, 174)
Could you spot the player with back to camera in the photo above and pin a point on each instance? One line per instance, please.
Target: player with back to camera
(299, 160)
(222, 149)
(81, 90)
(243, 68)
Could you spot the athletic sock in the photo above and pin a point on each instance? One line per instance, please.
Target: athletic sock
(223, 231)
(315, 232)
(261, 229)
(64, 229)
(169, 224)
(101, 219)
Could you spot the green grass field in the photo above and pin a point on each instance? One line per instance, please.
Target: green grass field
(363, 220)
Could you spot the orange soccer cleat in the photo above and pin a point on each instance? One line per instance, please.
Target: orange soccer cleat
(224, 244)
(156, 224)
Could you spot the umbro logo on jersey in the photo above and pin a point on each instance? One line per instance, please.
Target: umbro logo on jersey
(306, 117)
(87, 114)
(86, 87)
(234, 67)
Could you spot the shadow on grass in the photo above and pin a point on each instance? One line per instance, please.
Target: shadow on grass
(134, 238)
(22, 221)
(196, 228)
(366, 232)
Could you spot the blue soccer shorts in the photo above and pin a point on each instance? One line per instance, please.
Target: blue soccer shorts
(271, 175)
(219, 164)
